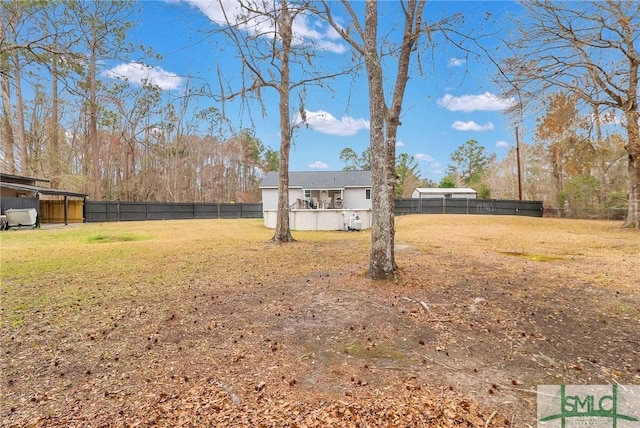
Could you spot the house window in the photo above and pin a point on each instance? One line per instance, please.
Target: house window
(367, 194)
(307, 194)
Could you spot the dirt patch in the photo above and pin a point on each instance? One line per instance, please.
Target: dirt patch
(463, 338)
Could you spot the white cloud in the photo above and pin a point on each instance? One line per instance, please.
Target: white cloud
(423, 157)
(471, 126)
(436, 165)
(138, 73)
(611, 119)
(455, 62)
(326, 123)
(468, 103)
(502, 143)
(399, 143)
(215, 10)
(318, 165)
(321, 35)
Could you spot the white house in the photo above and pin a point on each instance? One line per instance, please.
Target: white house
(437, 192)
(321, 200)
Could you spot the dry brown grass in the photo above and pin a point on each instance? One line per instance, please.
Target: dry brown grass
(205, 322)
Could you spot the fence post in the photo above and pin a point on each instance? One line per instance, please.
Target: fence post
(66, 210)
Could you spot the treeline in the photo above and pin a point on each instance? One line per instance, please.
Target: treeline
(63, 118)
(576, 164)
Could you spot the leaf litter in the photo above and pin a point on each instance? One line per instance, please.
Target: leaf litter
(210, 324)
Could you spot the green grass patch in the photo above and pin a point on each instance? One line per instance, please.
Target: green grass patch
(101, 239)
(532, 257)
(66, 270)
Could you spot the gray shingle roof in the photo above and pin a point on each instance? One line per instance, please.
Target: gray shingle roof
(320, 179)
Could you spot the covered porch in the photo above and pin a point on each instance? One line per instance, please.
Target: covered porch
(326, 199)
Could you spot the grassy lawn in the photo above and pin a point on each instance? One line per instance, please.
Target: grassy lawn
(65, 268)
(174, 322)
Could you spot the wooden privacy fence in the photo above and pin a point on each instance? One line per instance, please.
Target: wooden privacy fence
(49, 210)
(53, 211)
(102, 211)
(468, 206)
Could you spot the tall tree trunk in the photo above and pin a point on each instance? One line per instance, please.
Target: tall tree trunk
(283, 229)
(381, 258)
(9, 141)
(602, 175)
(93, 126)
(633, 149)
(54, 152)
(5, 88)
(382, 264)
(22, 140)
(556, 170)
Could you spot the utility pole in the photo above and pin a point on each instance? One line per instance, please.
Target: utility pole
(518, 163)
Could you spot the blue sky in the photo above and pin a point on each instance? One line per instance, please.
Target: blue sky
(452, 98)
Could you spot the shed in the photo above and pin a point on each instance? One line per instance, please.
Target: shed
(438, 192)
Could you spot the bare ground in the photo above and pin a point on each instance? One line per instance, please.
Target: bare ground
(256, 334)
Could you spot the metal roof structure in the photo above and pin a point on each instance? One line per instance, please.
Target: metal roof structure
(320, 179)
(27, 184)
(440, 190)
(41, 190)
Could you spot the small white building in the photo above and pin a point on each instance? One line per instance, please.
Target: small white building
(320, 200)
(437, 192)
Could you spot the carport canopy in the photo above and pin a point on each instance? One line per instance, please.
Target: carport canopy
(42, 190)
(38, 190)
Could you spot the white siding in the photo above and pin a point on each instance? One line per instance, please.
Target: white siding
(355, 199)
(270, 198)
(319, 219)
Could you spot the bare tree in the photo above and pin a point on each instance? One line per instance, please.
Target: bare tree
(8, 139)
(103, 26)
(384, 117)
(590, 50)
(24, 39)
(11, 17)
(36, 44)
(273, 56)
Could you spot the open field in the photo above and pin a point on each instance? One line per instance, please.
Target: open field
(207, 323)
